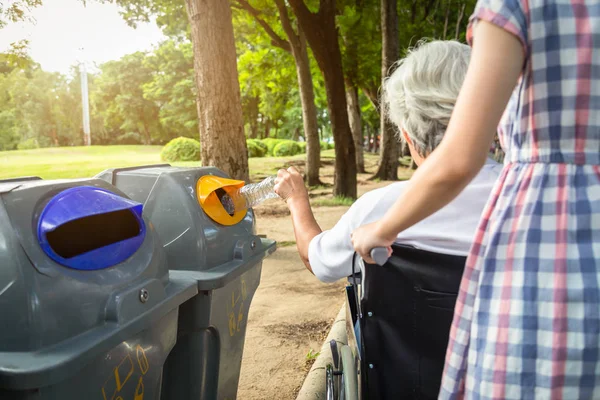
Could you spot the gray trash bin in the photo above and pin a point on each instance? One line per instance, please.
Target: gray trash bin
(225, 261)
(87, 306)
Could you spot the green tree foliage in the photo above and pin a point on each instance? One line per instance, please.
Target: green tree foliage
(151, 97)
(361, 57)
(120, 98)
(172, 87)
(36, 105)
(142, 98)
(16, 58)
(433, 19)
(16, 10)
(271, 78)
(268, 81)
(9, 129)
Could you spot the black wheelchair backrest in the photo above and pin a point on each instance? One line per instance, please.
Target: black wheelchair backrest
(407, 309)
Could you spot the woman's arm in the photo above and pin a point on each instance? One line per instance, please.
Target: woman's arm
(290, 187)
(496, 63)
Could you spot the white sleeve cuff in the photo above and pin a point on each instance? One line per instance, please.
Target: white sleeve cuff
(328, 260)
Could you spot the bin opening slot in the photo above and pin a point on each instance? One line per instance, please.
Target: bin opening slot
(226, 201)
(82, 235)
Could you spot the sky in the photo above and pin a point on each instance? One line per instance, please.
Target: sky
(62, 27)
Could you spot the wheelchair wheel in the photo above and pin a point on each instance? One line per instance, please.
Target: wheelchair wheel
(330, 383)
(341, 378)
(349, 374)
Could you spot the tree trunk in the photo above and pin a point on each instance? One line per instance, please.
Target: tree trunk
(428, 6)
(345, 158)
(404, 150)
(371, 94)
(322, 35)
(254, 117)
(267, 128)
(355, 125)
(388, 165)
(307, 96)
(351, 77)
(147, 133)
(309, 113)
(446, 19)
(54, 137)
(432, 20)
(219, 103)
(461, 14)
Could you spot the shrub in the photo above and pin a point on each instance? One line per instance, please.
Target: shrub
(260, 144)
(330, 146)
(256, 148)
(287, 148)
(28, 144)
(181, 149)
(130, 138)
(324, 145)
(271, 143)
(9, 138)
(302, 147)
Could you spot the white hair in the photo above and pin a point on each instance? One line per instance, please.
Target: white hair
(420, 95)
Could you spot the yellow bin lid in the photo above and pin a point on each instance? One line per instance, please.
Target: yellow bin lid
(206, 187)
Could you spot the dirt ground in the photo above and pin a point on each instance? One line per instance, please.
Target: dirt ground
(292, 311)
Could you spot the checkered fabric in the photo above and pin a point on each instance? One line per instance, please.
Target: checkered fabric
(527, 318)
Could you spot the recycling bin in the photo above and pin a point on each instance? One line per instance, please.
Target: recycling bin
(87, 306)
(221, 252)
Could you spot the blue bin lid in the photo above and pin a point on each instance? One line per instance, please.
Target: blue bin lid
(86, 201)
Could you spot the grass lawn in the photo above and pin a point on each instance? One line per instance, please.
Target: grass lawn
(86, 162)
(83, 162)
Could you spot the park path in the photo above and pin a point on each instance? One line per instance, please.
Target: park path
(291, 312)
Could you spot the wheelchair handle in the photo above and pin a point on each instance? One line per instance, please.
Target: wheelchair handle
(380, 255)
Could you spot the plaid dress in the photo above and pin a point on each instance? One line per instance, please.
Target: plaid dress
(527, 318)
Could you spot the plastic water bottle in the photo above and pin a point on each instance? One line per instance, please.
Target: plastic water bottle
(252, 195)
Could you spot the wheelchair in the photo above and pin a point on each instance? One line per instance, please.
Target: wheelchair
(398, 319)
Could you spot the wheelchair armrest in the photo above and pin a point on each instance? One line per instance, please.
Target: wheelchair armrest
(356, 278)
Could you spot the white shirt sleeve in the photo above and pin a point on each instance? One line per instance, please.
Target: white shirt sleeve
(448, 231)
(330, 253)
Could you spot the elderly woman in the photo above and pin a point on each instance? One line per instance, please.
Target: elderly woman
(419, 98)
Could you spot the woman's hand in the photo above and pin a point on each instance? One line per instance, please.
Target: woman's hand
(289, 185)
(367, 237)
